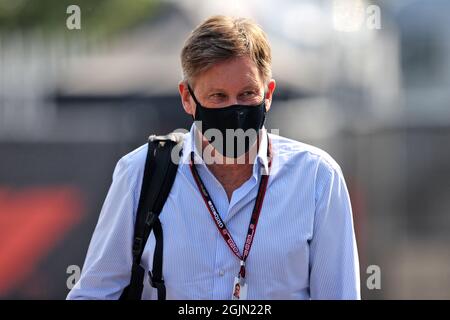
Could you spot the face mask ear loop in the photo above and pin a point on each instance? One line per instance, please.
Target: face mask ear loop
(193, 95)
(264, 100)
(265, 111)
(197, 104)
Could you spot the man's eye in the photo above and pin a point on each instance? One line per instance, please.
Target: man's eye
(217, 95)
(249, 94)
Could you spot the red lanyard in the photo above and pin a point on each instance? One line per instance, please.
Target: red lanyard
(221, 225)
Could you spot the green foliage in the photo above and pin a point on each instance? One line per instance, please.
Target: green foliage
(99, 17)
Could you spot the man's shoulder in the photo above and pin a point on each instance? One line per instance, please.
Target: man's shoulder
(134, 161)
(136, 157)
(298, 152)
(130, 167)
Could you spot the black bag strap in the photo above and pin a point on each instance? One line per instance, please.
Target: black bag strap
(155, 276)
(159, 174)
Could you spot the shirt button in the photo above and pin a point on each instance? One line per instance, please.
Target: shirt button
(221, 273)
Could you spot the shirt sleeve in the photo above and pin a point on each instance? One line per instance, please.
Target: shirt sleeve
(334, 265)
(107, 267)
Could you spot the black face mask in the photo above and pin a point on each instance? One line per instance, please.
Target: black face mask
(233, 117)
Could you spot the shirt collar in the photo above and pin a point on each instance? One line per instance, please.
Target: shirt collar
(190, 145)
(262, 151)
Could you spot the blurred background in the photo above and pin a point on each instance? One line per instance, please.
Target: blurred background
(368, 81)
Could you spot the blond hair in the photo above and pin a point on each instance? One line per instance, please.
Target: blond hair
(220, 38)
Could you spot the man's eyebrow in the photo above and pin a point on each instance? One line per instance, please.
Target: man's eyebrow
(250, 87)
(215, 89)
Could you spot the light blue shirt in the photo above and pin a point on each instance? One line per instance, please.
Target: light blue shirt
(304, 246)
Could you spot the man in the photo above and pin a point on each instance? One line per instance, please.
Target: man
(300, 242)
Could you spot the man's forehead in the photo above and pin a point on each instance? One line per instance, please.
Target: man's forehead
(231, 74)
(244, 83)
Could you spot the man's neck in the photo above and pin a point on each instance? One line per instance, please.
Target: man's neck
(232, 173)
(231, 176)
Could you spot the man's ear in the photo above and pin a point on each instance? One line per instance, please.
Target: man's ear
(269, 94)
(186, 99)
